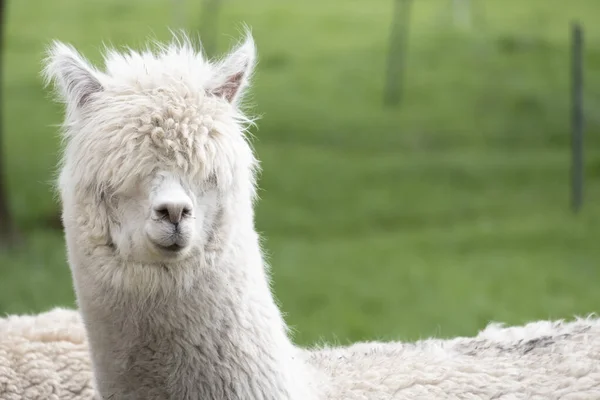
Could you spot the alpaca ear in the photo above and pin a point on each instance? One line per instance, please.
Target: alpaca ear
(75, 79)
(233, 73)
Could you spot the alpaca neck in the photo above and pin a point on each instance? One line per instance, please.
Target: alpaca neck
(222, 337)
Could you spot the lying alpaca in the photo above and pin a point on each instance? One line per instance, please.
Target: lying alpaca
(44, 357)
(157, 186)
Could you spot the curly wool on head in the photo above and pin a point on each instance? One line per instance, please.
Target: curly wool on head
(150, 108)
(165, 109)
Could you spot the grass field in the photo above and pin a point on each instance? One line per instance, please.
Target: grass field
(431, 218)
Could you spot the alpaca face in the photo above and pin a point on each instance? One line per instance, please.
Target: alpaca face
(155, 147)
(165, 218)
(170, 227)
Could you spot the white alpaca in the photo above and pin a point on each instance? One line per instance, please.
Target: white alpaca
(157, 185)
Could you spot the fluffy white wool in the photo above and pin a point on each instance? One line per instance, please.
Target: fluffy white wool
(541, 360)
(44, 357)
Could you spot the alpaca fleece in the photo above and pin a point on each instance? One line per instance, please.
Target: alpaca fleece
(46, 357)
(541, 360)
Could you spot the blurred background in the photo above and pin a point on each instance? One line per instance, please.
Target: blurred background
(416, 155)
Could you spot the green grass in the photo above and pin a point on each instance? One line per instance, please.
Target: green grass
(431, 218)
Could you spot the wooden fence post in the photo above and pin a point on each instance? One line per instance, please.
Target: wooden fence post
(577, 118)
(398, 53)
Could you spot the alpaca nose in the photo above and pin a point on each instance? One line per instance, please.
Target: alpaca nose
(173, 211)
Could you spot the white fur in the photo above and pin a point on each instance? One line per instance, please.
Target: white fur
(162, 132)
(45, 357)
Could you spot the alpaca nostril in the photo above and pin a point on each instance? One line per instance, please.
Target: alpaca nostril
(174, 212)
(162, 212)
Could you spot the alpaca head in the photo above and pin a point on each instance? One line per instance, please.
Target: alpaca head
(154, 147)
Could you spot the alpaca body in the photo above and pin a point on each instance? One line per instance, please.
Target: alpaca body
(45, 357)
(540, 360)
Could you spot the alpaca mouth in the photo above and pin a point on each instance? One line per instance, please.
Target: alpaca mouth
(172, 248)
